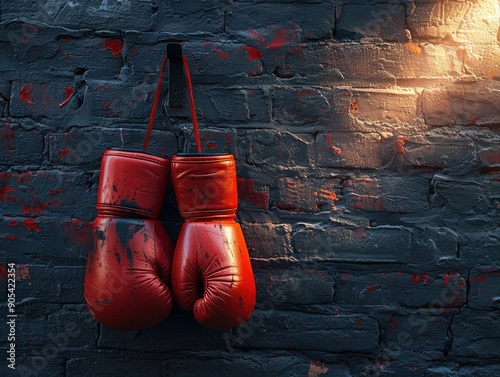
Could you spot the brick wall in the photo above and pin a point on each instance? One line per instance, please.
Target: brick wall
(367, 141)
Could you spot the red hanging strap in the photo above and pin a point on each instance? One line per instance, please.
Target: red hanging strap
(156, 101)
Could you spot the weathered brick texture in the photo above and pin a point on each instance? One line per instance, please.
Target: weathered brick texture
(367, 142)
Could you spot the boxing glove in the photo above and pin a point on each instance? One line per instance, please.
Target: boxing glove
(211, 270)
(128, 270)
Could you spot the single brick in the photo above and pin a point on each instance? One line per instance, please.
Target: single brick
(381, 21)
(276, 148)
(33, 194)
(19, 145)
(416, 290)
(443, 19)
(130, 366)
(36, 99)
(437, 150)
(423, 331)
(384, 105)
(466, 197)
(85, 146)
(247, 366)
(473, 332)
(108, 15)
(280, 288)
(361, 245)
(315, 20)
(178, 332)
(178, 16)
(308, 195)
(353, 150)
(268, 241)
(311, 332)
(388, 194)
(484, 293)
(461, 105)
(233, 105)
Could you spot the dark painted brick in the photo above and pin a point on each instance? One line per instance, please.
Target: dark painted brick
(37, 99)
(108, 15)
(51, 50)
(19, 145)
(249, 366)
(274, 148)
(178, 332)
(402, 289)
(301, 331)
(480, 241)
(212, 140)
(384, 105)
(381, 21)
(300, 195)
(233, 105)
(436, 246)
(439, 150)
(473, 333)
(268, 240)
(46, 238)
(465, 197)
(461, 104)
(37, 193)
(422, 332)
(361, 245)
(388, 194)
(41, 326)
(194, 17)
(98, 364)
(209, 62)
(353, 150)
(463, 371)
(484, 294)
(283, 287)
(315, 20)
(85, 146)
(251, 197)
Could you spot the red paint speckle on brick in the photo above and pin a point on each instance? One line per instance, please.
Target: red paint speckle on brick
(423, 278)
(13, 223)
(12, 237)
(221, 54)
(31, 224)
(5, 192)
(3, 271)
(24, 177)
(400, 145)
(79, 231)
(69, 94)
(114, 45)
(306, 92)
(446, 280)
(248, 193)
(55, 191)
(63, 152)
(372, 288)
(360, 322)
(253, 53)
(22, 272)
(26, 94)
(34, 209)
(211, 145)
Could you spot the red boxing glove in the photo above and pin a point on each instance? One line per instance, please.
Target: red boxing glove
(211, 270)
(128, 271)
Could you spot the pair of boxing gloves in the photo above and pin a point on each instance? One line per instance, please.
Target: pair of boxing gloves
(134, 272)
